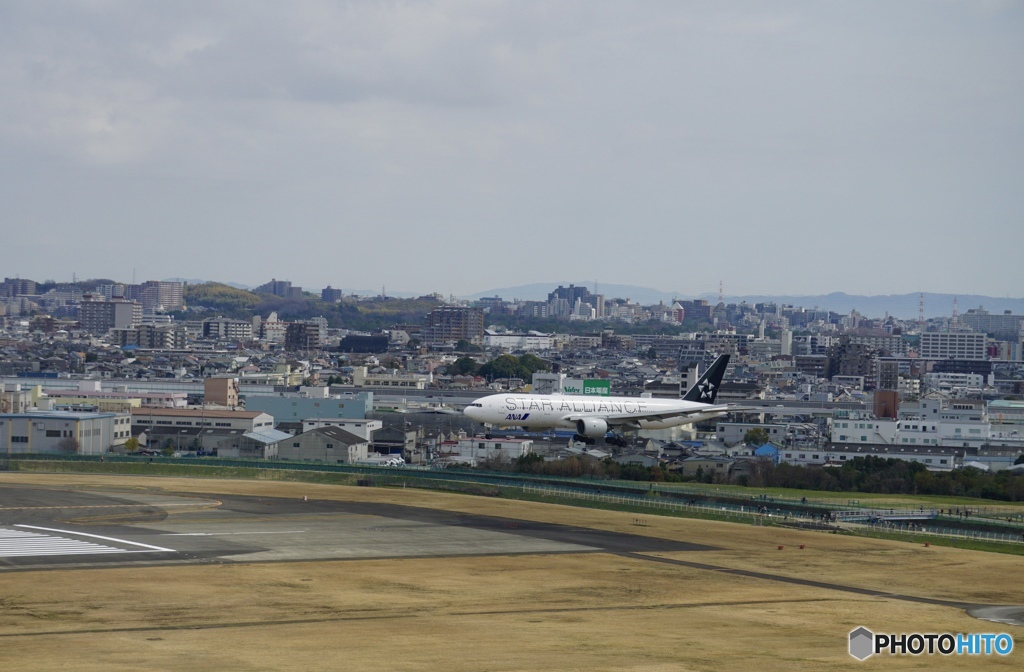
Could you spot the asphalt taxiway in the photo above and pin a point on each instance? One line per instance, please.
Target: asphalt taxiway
(43, 527)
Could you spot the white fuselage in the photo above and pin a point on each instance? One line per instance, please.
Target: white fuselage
(557, 410)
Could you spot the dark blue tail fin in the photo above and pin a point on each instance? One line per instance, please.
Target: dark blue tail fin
(706, 388)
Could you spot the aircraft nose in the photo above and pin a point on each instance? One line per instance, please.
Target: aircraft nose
(471, 412)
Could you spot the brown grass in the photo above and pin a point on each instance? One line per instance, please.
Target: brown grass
(544, 612)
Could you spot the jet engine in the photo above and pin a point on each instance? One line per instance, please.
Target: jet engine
(591, 427)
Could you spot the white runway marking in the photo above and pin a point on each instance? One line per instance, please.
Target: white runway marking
(114, 539)
(15, 543)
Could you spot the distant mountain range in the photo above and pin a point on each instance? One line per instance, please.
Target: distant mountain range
(903, 306)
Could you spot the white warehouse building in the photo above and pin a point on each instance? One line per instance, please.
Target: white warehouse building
(81, 433)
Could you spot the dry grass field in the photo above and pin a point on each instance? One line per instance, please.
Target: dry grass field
(591, 611)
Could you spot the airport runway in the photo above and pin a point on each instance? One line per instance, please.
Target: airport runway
(49, 528)
(45, 528)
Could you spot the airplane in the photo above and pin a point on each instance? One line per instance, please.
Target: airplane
(593, 417)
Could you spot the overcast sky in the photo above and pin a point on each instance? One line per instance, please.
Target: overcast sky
(455, 146)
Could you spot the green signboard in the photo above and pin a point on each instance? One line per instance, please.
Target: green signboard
(591, 387)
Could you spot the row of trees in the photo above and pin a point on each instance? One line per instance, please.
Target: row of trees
(888, 476)
(861, 474)
(504, 366)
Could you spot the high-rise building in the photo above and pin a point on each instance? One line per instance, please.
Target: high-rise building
(162, 295)
(98, 316)
(571, 294)
(282, 288)
(331, 295)
(18, 287)
(453, 323)
(302, 336)
(849, 359)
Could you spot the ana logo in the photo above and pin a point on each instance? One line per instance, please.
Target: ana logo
(517, 416)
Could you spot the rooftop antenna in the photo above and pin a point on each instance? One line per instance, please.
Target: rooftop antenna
(956, 314)
(720, 292)
(920, 312)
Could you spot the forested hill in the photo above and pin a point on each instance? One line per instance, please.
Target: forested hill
(224, 299)
(368, 315)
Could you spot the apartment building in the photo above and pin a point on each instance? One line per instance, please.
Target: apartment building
(453, 323)
(221, 328)
(152, 337)
(953, 345)
(306, 335)
(156, 295)
(98, 316)
(1003, 325)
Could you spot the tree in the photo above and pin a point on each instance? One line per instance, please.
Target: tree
(462, 345)
(131, 445)
(505, 366)
(533, 363)
(757, 436)
(1020, 459)
(463, 366)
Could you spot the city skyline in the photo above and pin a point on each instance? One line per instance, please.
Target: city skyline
(796, 149)
(912, 306)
